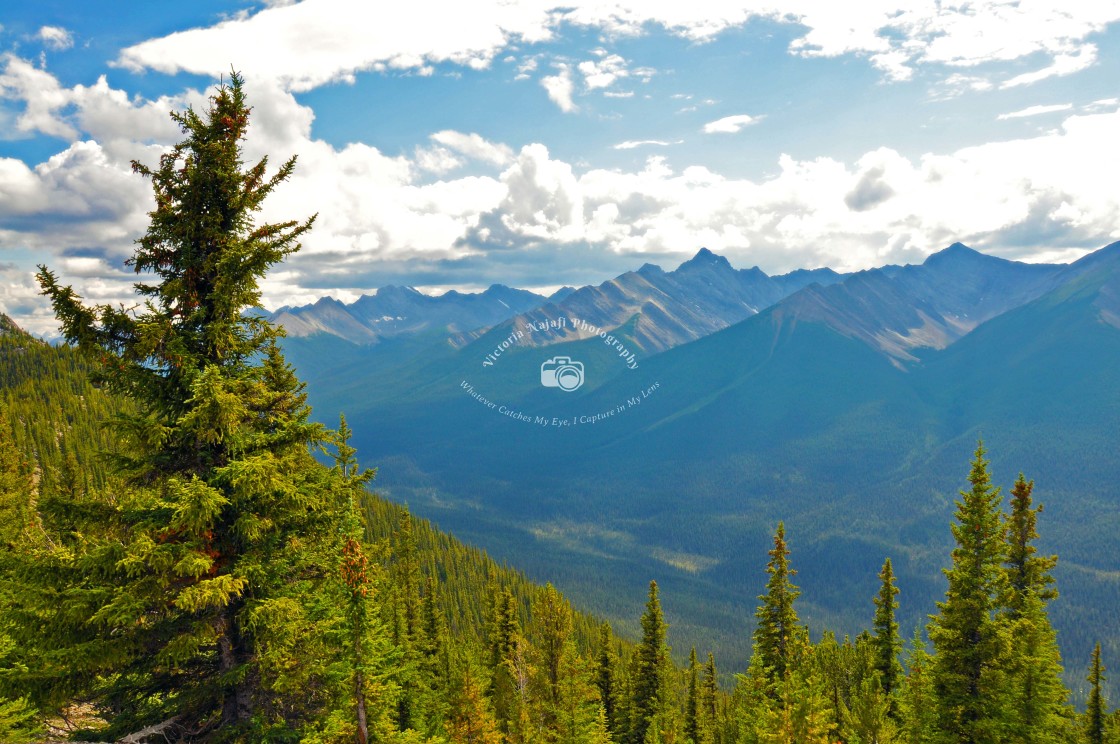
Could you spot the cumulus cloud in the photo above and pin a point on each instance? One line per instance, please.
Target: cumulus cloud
(560, 88)
(307, 44)
(55, 37)
(730, 124)
(1036, 111)
(1047, 194)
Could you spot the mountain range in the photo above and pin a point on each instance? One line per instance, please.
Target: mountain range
(714, 402)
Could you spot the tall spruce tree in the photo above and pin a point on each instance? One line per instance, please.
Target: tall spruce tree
(607, 682)
(778, 634)
(693, 706)
(916, 705)
(198, 580)
(886, 640)
(1039, 700)
(651, 668)
(969, 634)
(709, 701)
(1096, 712)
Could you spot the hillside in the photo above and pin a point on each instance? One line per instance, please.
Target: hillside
(845, 410)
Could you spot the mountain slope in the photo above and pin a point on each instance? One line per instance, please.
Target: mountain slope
(701, 296)
(804, 412)
(394, 311)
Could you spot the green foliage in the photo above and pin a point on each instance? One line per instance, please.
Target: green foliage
(778, 633)
(212, 580)
(202, 589)
(651, 669)
(969, 634)
(1097, 709)
(1040, 711)
(885, 639)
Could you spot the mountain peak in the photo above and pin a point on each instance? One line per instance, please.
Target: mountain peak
(956, 254)
(705, 258)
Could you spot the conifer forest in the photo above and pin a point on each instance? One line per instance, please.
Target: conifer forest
(187, 556)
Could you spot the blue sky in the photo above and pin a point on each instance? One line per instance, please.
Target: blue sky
(536, 144)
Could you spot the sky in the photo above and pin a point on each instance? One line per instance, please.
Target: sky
(537, 143)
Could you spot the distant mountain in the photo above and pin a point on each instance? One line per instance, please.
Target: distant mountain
(849, 410)
(927, 306)
(393, 311)
(703, 295)
(664, 309)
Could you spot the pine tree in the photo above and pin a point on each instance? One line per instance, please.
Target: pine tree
(407, 627)
(1039, 700)
(868, 718)
(606, 680)
(360, 614)
(651, 665)
(577, 707)
(553, 617)
(197, 581)
(511, 671)
(916, 703)
(886, 641)
(969, 637)
(709, 701)
(435, 664)
(778, 634)
(692, 709)
(1096, 712)
(471, 721)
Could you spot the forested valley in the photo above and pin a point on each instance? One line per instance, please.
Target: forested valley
(186, 556)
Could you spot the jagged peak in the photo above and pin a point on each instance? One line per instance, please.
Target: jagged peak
(703, 258)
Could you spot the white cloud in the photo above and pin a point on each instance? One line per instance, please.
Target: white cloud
(730, 124)
(1064, 64)
(1036, 111)
(438, 160)
(56, 37)
(560, 88)
(631, 144)
(314, 42)
(1048, 194)
(308, 44)
(475, 147)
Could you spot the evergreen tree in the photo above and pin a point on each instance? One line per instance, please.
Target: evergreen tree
(778, 634)
(709, 701)
(868, 720)
(1039, 699)
(553, 617)
(916, 704)
(577, 708)
(969, 636)
(606, 680)
(435, 665)
(886, 641)
(361, 616)
(797, 714)
(692, 709)
(1096, 712)
(511, 671)
(197, 581)
(651, 666)
(407, 628)
(471, 720)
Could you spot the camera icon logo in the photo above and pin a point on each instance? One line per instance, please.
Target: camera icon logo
(562, 372)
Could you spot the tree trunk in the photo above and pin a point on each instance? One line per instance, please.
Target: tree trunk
(360, 697)
(236, 699)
